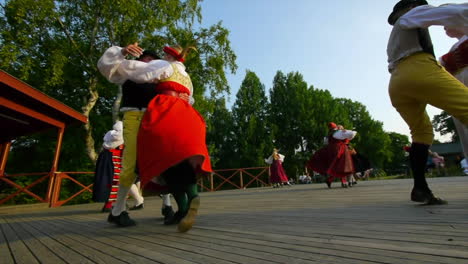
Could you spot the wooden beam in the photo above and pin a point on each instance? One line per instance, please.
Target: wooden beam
(4, 151)
(40, 97)
(29, 112)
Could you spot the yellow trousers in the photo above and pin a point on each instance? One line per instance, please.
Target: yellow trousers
(131, 125)
(419, 80)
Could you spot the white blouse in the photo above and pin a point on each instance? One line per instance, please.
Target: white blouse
(424, 16)
(117, 69)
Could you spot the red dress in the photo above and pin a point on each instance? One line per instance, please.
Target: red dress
(277, 173)
(171, 131)
(333, 159)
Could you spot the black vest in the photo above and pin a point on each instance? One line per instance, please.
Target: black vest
(137, 94)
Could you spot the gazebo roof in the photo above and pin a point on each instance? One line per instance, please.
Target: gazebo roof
(25, 110)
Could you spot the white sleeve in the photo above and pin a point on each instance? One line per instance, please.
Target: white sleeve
(281, 157)
(117, 69)
(110, 62)
(269, 160)
(344, 134)
(142, 72)
(452, 15)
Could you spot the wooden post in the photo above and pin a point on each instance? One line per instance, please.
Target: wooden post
(53, 189)
(241, 180)
(211, 182)
(4, 151)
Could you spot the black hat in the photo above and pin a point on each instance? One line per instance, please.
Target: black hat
(401, 5)
(149, 53)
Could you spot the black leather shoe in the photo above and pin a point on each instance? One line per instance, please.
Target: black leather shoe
(137, 207)
(174, 219)
(122, 220)
(167, 211)
(328, 184)
(426, 196)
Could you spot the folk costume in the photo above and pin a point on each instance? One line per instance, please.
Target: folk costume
(108, 167)
(278, 176)
(456, 62)
(171, 126)
(135, 99)
(417, 79)
(334, 159)
(108, 170)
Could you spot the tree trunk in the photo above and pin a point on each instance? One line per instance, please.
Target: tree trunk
(116, 107)
(92, 99)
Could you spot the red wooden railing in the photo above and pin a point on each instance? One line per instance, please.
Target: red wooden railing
(219, 180)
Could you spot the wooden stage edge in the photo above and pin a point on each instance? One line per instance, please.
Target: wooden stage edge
(373, 222)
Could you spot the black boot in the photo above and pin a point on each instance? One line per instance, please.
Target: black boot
(175, 218)
(167, 212)
(421, 192)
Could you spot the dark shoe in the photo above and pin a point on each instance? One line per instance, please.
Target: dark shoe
(174, 219)
(436, 201)
(344, 185)
(137, 207)
(426, 196)
(187, 222)
(167, 212)
(122, 220)
(328, 184)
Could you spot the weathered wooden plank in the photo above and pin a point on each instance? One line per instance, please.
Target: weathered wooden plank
(312, 245)
(116, 243)
(19, 251)
(5, 253)
(145, 248)
(65, 252)
(373, 222)
(83, 249)
(42, 253)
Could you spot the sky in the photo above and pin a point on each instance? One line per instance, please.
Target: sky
(337, 45)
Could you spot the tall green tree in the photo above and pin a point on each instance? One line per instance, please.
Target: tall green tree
(221, 137)
(443, 123)
(290, 116)
(253, 141)
(398, 162)
(55, 45)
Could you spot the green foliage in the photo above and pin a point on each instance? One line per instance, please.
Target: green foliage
(443, 123)
(55, 45)
(399, 161)
(252, 133)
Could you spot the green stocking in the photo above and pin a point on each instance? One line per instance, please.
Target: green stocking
(192, 191)
(182, 201)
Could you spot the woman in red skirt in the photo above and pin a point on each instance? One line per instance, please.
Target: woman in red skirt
(335, 158)
(171, 148)
(278, 176)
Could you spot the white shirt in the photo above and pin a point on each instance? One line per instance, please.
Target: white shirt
(464, 165)
(270, 159)
(451, 15)
(344, 134)
(117, 69)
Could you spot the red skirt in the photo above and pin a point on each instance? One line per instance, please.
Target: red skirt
(333, 159)
(277, 173)
(171, 131)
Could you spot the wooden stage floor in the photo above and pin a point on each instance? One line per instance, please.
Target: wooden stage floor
(373, 222)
